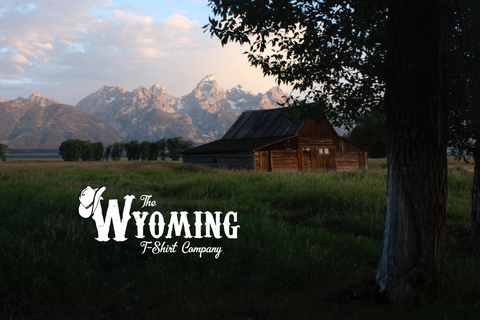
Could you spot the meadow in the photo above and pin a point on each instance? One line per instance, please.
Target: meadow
(306, 241)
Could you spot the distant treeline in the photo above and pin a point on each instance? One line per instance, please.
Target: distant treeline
(76, 150)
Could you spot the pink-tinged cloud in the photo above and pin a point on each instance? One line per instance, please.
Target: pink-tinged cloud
(68, 49)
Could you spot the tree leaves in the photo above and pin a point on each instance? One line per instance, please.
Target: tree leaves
(329, 50)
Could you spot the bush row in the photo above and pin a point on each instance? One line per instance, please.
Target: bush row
(76, 150)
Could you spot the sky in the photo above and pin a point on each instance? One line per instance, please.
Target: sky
(67, 50)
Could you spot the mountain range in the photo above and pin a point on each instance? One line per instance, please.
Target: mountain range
(114, 114)
(203, 115)
(38, 122)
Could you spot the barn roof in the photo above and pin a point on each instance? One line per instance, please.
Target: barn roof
(234, 145)
(252, 130)
(262, 124)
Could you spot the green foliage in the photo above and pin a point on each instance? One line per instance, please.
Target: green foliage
(97, 150)
(176, 145)
(133, 150)
(87, 152)
(117, 150)
(184, 145)
(3, 151)
(74, 149)
(173, 145)
(333, 51)
(144, 149)
(162, 148)
(153, 151)
(108, 151)
(371, 133)
(147, 150)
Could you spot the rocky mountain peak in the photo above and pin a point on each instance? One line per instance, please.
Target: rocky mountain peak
(209, 88)
(141, 91)
(238, 90)
(107, 88)
(207, 83)
(276, 94)
(276, 90)
(157, 88)
(110, 93)
(162, 92)
(271, 98)
(37, 97)
(209, 78)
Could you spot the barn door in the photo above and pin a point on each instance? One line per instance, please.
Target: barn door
(265, 161)
(324, 158)
(307, 158)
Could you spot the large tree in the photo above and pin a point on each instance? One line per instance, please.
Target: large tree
(353, 57)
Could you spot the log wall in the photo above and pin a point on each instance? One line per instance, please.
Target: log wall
(284, 159)
(347, 161)
(276, 160)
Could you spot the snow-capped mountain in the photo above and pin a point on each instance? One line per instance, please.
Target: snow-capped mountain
(203, 115)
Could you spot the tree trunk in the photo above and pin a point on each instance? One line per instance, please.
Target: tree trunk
(415, 209)
(476, 205)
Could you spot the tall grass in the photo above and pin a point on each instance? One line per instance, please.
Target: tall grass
(305, 239)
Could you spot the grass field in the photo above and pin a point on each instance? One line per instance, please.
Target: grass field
(305, 240)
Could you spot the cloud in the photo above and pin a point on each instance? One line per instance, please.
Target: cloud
(68, 49)
(52, 29)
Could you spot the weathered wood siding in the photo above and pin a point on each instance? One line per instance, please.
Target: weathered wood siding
(276, 160)
(230, 160)
(349, 155)
(310, 128)
(287, 144)
(344, 145)
(284, 159)
(312, 134)
(347, 161)
(315, 147)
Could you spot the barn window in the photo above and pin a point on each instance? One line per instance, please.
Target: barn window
(320, 150)
(326, 150)
(289, 144)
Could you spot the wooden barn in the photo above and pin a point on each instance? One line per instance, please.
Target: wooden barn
(264, 140)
